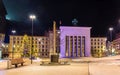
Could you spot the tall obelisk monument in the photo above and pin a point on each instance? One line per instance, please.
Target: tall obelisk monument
(54, 38)
(54, 55)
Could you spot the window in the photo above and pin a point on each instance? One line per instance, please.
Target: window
(42, 46)
(101, 43)
(91, 43)
(39, 50)
(14, 38)
(98, 46)
(91, 39)
(91, 47)
(17, 38)
(13, 41)
(94, 39)
(98, 43)
(75, 39)
(98, 40)
(79, 43)
(75, 43)
(95, 43)
(46, 50)
(79, 37)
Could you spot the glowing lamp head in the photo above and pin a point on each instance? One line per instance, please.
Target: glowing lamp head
(13, 31)
(32, 17)
(58, 32)
(111, 29)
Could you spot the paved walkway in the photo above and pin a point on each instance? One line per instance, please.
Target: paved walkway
(79, 69)
(103, 66)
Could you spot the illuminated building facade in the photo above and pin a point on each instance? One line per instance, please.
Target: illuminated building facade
(2, 36)
(75, 41)
(98, 46)
(2, 46)
(20, 46)
(116, 45)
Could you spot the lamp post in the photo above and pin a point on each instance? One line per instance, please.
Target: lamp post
(88, 68)
(111, 29)
(13, 32)
(32, 17)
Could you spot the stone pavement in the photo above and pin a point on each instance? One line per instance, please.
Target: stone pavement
(100, 66)
(79, 69)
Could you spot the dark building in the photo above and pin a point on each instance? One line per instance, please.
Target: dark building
(3, 11)
(3, 22)
(4, 28)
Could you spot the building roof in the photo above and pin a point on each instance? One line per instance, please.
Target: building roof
(76, 27)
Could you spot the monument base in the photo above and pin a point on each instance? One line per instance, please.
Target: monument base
(54, 58)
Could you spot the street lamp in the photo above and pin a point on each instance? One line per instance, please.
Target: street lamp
(111, 29)
(88, 68)
(32, 17)
(13, 32)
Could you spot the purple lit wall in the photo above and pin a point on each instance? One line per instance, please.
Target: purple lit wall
(74, 31)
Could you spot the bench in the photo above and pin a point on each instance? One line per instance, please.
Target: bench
(17, 61)
(64, 62)
(44, 61)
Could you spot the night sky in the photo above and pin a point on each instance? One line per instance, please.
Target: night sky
(98, 14)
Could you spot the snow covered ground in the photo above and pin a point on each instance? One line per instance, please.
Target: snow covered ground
(97, 66)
